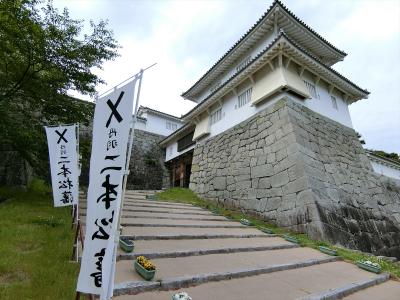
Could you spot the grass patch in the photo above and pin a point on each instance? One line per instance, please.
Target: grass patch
(187, 196)
(35, 245)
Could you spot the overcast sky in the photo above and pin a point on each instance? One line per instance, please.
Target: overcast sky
(186, 37)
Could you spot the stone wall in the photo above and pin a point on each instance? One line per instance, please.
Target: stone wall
(147, 169)
(14, 170)
(300, 170)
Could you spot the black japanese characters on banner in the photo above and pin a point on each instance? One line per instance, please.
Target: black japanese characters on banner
(111, 128)
(62, 144)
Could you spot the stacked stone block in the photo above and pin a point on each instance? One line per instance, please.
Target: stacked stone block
(147, 168)
(300, 170)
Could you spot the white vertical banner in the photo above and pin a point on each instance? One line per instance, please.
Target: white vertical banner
(62, 144)
(111, 127)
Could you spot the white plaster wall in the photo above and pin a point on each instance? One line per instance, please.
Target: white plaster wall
(323, 104)
(231, 115)
(141, 125)
(385, 170)
(253, 52)
(158, 125)
(172, 150)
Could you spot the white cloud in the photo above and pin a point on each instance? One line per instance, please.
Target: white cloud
(372, 21)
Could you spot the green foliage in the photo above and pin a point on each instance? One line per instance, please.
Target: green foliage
(39, 186)
(35, 244)
(44, 54)
(393, 156)
(187, 196)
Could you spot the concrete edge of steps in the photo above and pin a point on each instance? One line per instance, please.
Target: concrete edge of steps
(145, 201)
(183, 218)
(200, 213)
(182, 225)
(348, 289)
(175, 218)
(185, 253)
(185, 225)
(136, 287)
(190, 208)
(193, 237)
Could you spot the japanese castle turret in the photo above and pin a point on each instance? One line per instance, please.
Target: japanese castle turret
(271, 134)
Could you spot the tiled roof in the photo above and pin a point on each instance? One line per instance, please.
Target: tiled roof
(276, 2)
(281, 34)
(159, 112)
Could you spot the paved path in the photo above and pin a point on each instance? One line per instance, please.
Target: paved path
(211, 257)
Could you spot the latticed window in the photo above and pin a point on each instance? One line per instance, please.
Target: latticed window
(244, 97)
(243, 64)
(185, 142)
(334, 102)
(311, 89)
(216, 116)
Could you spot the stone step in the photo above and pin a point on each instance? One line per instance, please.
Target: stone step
(142, 191)
(177, 222)
(82, 210)
(348, 288)
(135, 196)
(180, 248)
(196, 236)
(163, 225)
(160, 232)
(184, 271)
(158, 202)
(389, 290)
(134, 215)
(175, 211)
(171, 207)
(165, 222)
(288, 284)
(172, 217)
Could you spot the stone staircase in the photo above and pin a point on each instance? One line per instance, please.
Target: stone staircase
(211, 257)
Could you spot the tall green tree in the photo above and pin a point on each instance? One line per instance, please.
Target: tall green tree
(43, 54)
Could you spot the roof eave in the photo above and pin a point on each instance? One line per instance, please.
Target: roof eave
(356, 96)
(176, 133)
(189, 95)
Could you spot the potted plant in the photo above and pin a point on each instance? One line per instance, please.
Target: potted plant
(246, 222)
(291, 239)
(369, 266)
(327, 250)
(151, 197)
(181, 296)
(126, 244)
(215, 211)
(145, 267)
(266, 230)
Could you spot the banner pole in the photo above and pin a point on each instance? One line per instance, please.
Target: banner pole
(77, 202)
(107, 294)
(128, 157)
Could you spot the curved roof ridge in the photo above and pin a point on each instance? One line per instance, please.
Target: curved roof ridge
(269, 10)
